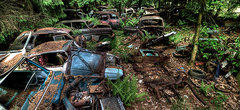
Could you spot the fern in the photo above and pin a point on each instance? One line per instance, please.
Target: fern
(126, 89)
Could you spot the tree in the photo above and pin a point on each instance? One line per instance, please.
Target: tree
(196, 36)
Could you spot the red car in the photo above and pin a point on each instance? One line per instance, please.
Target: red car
(107, 17)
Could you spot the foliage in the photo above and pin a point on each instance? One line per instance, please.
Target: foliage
(184, 34)
(206, 88)
(212, 48)
(140, 12)
(91, 45)
(53, 8)
(209, 90)
(119, 48)
(225, 48)
(20, 16)
(212, 10)
(120, 4)
(90, 4)
(130, 22)
(77, 32)
(147, 35)
(127, 89)
(219, 99)
(94, 20)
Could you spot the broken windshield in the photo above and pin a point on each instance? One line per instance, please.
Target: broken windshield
(83, 62)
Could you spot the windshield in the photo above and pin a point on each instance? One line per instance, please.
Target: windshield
(19, 42)
(83, 62)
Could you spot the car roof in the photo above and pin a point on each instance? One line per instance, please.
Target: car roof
(48, 30)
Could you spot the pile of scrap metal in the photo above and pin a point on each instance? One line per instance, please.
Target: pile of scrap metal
(51, 58)
(89, 30)
(134, 40)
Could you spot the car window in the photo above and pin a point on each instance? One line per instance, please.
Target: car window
(78, 66)
(104, 17)
(113, 16)
(59, 37)
(68, 24)
(19, 43)
(79, 25)
(42, 38)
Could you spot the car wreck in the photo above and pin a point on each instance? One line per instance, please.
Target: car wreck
(40, 36)
(152, 24)
(45, 68)
(89, 30)
(108, 17)
(149, 10)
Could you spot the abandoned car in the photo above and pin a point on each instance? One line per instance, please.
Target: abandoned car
(59, 58)
(40, 36)
(89, 30)
(150, 10)
(107, 17)
(152, 24)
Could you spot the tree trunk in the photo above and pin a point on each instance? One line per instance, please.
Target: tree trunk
(195, 39)
(139, 3)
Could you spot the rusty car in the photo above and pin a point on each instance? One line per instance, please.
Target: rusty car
(46, 65)
(40, 36)
(152, 24)
(108, 17)
(89, 30)
(149, 10)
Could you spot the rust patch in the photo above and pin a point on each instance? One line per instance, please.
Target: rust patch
(46, 102)
(48, 47)
(9, 62)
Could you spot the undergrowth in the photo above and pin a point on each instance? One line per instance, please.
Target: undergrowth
(119, 48)
(215, 97)
(94, 20)
(180, 105)
(185, 34)
(127, 89)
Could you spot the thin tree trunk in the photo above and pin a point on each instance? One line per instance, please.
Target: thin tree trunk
(195, 39)
(139, 3)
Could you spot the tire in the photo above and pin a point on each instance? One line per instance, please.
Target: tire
(198, 74)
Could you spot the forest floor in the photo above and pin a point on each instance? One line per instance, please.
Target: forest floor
(187, 99)
(183, 95)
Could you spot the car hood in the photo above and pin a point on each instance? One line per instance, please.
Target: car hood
(51, 47)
